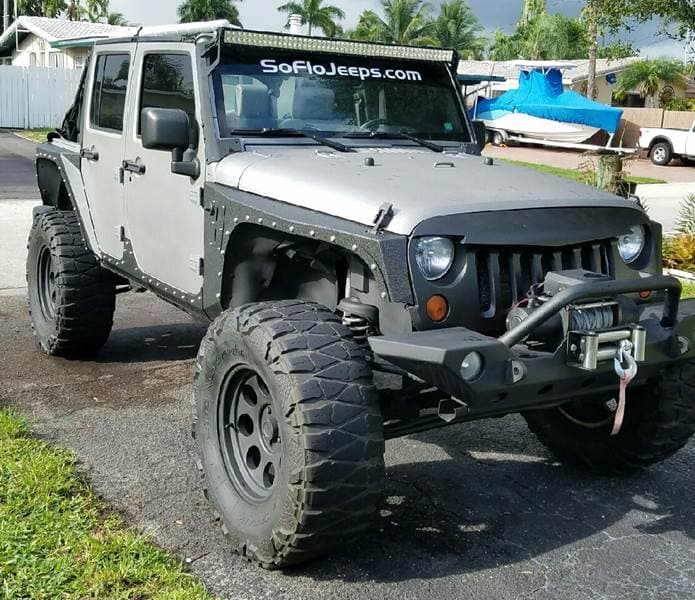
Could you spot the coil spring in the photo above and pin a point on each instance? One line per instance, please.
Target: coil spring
(359, 326)
(592, 318)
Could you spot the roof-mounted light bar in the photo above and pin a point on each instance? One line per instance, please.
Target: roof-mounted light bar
(331, 46)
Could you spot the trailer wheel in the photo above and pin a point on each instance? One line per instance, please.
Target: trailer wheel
(659, 421)
(290, 434)
(661, 154)
(498, 138)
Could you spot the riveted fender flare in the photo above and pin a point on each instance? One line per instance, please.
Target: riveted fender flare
(61, 186)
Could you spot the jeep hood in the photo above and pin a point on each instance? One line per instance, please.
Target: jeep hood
(419, 183)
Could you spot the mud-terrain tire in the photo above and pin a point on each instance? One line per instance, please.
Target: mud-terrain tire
(661, 154)
(71, 297)
(287, 420)
(659, 421)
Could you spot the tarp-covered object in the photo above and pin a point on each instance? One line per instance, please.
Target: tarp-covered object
(542, 95)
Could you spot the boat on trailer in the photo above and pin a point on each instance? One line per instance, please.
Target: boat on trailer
(540, 111)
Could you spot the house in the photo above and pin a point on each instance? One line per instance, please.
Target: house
(57, 43)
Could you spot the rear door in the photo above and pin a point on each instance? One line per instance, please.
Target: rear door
(165, 221)
(103, 143)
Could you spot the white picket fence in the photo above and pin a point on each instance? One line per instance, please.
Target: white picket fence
(36, 96)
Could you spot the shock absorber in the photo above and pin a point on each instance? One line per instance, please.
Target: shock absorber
(361, 319)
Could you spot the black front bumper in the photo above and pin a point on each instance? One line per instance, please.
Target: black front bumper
(515, 378)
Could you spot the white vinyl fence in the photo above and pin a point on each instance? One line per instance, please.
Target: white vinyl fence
(33, 97)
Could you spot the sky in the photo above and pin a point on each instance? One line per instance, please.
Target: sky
(493, 14)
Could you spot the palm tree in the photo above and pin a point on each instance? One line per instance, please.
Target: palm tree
(406, 22)
(457, 27)
(208, 10)
(649, 76)
(116, 18)
(369, 28)
(315, 15)
(74, 10)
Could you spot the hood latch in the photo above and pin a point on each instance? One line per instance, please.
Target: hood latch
(383, 217)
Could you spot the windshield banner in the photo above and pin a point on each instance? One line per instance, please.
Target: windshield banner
(305, 67)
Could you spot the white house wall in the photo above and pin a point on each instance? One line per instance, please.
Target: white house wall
(72, 58)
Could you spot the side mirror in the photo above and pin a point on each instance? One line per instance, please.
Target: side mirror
(164, 128)
(480, 132)
(170, 129)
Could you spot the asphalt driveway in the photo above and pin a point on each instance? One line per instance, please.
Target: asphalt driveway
(474, 511)
(17, 171)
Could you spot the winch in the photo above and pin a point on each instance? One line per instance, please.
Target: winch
(597, 316)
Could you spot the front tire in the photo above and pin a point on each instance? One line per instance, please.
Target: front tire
(659, 421)
(661, 154)
(71, 297)
(291, 437)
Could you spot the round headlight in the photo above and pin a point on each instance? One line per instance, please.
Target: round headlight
(631, 244)
(434, 256)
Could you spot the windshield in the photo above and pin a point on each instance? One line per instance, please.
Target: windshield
(257, 88)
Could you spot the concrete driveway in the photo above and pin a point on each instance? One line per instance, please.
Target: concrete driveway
(474, 511)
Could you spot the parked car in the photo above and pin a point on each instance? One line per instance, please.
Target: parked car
(367, 274)
(663, 145)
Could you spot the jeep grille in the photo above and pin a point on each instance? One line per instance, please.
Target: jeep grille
(505, 275)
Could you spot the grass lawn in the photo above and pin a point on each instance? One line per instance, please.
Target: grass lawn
(57, 542)
(689, 290)
(574, 174)
(35, 135)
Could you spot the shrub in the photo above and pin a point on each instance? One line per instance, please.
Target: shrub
(679, 252)
(686, 216)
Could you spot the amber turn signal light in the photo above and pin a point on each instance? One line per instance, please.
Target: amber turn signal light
(437, 308)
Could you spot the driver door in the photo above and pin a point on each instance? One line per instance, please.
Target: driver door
(164, 218)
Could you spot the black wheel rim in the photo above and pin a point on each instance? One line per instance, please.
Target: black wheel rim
(47, 288)
(249, 434)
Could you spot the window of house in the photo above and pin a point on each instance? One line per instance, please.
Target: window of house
(167, 82)
(110, 88)
(79, 62)
(56, 60)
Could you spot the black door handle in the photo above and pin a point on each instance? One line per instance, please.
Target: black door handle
(89, 153)
(134, 166)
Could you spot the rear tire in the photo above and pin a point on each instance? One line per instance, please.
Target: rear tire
(71, 297)
(498, 138)
(661, 154)
(659, 421)
(291, 438)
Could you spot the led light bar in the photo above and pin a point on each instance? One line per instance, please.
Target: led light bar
(331, 46)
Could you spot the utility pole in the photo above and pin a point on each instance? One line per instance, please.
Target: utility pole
(6, 15)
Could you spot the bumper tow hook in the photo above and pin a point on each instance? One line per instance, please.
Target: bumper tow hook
(626, 369)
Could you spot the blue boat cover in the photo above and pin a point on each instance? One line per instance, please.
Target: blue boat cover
(542, 95)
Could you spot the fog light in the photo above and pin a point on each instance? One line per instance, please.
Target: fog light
(437, 308)
(472, 366)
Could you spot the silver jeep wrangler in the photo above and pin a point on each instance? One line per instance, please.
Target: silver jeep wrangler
(367, 273)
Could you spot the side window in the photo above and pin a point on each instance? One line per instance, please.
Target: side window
(168, 83)
(110, 87)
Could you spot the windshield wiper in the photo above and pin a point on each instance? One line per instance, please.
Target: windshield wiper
(392, 135)
(288, 132)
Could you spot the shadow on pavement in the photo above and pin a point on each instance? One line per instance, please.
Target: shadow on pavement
(501, 508)
(171, 342)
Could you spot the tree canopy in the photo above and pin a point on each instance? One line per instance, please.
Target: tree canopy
(412, 22)
(208, 10)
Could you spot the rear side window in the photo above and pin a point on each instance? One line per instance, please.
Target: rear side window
(168, 83)
(110, 87)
